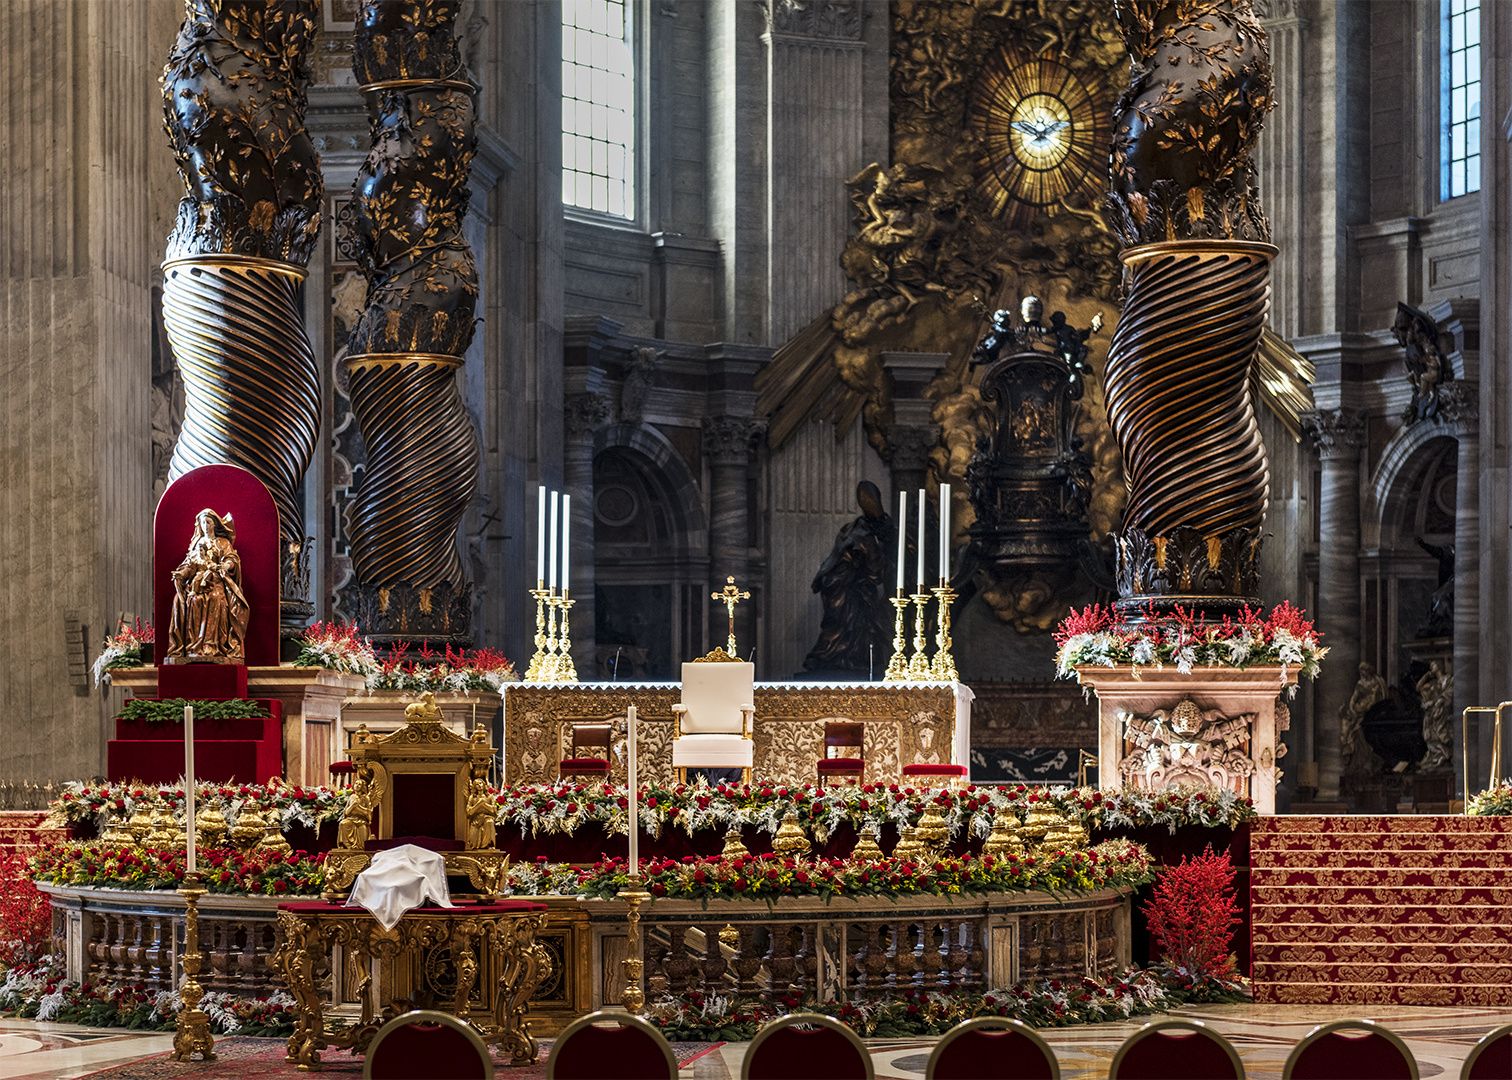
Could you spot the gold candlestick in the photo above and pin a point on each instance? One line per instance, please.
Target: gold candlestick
(192, 1034)
(943, 667)
(918, 664)
(897, 667)
(565, 671)
(538, 661)
(549, 661)
(634, 996)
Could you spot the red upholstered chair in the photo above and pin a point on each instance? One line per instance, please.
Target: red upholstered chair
(1350, 1050)
(590, 752)
(1491, 1058)
(426, 1045)
(992, 1048)
(782, 1050)
(938, 775)
(838, 734)
(605, 1044)
(341, 774)
(1176, 1050)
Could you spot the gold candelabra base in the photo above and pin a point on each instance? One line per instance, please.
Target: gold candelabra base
(897, 667)
(535, 673)
(634, 995)
(918, 664)
(565, 670)
(942, 668)
(192, 1032)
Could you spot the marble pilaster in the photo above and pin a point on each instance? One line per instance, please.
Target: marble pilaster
(727, 444)
(585, 415)
(1338, 435)
(1459, 408)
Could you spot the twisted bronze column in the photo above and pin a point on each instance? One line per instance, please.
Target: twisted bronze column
(408, 205)
(1197, 270)
(234, 105)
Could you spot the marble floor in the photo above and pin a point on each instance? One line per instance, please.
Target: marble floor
(1440, 1038)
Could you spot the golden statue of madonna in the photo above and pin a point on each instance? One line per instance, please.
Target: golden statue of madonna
(210, 611)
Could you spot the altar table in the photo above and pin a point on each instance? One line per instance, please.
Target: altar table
(904, 724)
(480, 960)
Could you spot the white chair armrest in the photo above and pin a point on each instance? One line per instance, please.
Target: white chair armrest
(679, 708)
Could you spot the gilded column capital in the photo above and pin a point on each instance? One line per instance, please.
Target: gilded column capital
(1459, 407)
(729, 440)
(584, 414)
(1337, 434)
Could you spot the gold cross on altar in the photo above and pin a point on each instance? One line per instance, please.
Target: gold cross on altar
(731, 596)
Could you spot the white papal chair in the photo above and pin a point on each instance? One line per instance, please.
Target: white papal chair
(712, 724)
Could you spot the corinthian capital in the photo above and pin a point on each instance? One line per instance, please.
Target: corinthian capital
(1336, 433)
(729, 440)
(584, 414)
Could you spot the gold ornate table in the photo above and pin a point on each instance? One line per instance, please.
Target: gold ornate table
(479, 962)
(903, 724)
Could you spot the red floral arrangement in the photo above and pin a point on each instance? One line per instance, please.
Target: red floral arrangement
(25, 915)
(1192, 918)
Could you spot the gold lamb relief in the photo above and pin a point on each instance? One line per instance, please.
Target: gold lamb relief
(210, 610)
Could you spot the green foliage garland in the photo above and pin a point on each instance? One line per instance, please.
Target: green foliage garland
(171, 710)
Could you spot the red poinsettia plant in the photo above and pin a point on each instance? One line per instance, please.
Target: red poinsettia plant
(1192, 918)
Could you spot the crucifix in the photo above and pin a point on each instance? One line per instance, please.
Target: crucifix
(731, 596)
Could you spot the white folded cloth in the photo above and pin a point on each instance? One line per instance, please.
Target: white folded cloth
(400, 879)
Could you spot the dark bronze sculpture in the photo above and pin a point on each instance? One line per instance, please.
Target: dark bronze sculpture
(857, 626)
(210, 611)
(234, 104)
(1427, 360)
(408, 205)
(1198, 270)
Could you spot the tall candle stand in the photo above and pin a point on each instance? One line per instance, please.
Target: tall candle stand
(537, 670)
(192, 1034)
(565, 670)
(918, 664)
(943, 668)
(634, 996)
(897, 667)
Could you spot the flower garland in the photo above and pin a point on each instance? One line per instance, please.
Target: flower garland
(89, 804)
(459, 671)
(40, 992)
(1495, 801)
(124, 649)
(1114, 864)
(338, 646)
(171, 710)
(1101, 637)
(562, 808)
(701, 1017)
(222, 870)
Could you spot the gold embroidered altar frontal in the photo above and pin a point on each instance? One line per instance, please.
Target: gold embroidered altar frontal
(905, 724)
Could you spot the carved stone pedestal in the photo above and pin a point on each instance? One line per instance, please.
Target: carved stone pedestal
(1214, 726)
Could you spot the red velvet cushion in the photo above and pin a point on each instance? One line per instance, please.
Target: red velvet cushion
(1161, 1055)
(423, 1051)
(584, 764)
(594, 1052)
(992, 1055)
(429, 843)
(1495, 1060)
(841, 764)
(794, 1052)
(1337, 1056)
(341, 768)
(934, 770)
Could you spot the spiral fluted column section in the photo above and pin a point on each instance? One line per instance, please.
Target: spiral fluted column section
(408, 204)
(1197, 258)
(233, 108)
(1178, 387)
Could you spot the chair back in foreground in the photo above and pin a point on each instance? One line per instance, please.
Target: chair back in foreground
(1350, 1050)
(1176, 1050)
(427, 1045)
(605, 1044)
(992, 1048)
(783, 1050)
(1491, 1058)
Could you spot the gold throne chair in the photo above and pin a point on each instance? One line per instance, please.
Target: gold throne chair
(421, 785)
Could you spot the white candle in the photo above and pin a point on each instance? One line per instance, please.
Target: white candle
(902, 535)
(566, 543)
(944, 532)
(189, 781)
(920, 559)
(541, 536)
(633, 778)
(551, 550)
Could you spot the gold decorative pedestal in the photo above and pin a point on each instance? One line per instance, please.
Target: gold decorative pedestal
(634, 995)
(192, 1035)
(897, 667)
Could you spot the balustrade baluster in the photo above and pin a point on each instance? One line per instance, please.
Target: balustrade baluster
(806, 959)
(747, 960)
(956, 973)
(714, 963)
(678, 966)
(873, 959)
(780, 959)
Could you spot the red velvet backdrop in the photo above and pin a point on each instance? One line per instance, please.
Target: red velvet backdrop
(224, 489)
